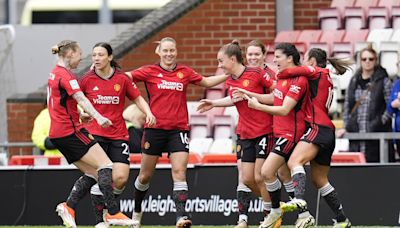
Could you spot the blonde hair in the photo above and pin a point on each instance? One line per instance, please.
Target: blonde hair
(64, 46)
(170, 39)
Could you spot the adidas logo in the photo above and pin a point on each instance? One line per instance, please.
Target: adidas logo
(278, 148)
(160, 75)
(261, 152)
(95, 88)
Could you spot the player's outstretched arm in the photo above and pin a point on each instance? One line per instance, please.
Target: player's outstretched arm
(211, 81)
(89, 109)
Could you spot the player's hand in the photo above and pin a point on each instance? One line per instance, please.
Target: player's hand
(252, 102)
(340, 132)
(151, 120)
(205, 105)
(238, 94)
(104, 122)
(85, 118)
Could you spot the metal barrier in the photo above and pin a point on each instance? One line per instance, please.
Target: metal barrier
(383, 138)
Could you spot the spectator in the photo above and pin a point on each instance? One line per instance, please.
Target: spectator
(393, 107)
(40, 134)
(368, 93)
(134, 119)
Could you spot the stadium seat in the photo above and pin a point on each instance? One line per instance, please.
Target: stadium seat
(345, 48)
(232, 111)
(348, 157)
(214, 93)
(331, 18)
(378, 35)
(221, 146)
(395, 36)
(395, 17)
(192, 107)
(378, 18)
(327, 39)
(35, 160)
(355, 16)
(219, 158)
(307, 36)
(342, 145)
(389, 56)
(223, 127)
(199, 126)
(200, 145)
(287, 36)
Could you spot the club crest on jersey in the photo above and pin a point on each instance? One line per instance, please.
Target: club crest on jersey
(117, 87)
(246, 83)
(284, 83)
(90, 136)
(146, 145)
(238, 148)
(180, 75)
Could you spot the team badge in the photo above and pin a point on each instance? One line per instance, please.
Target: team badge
(238, 148)
(246, 83)
(180, 75)
(284, 83)
(146, 145)
(117, 87)
(90, 136)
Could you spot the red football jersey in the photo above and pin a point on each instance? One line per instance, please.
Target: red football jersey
(62, 84)
(291, 126)
(321, 93)
(252, 123)
(108, 98)
(167, 93)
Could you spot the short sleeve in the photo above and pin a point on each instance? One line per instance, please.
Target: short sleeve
(70, 84)
(140, 74)
(132, 91)
(194, 77)
(298, 88)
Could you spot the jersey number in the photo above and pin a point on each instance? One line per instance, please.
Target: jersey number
(126, 148)
(184, 138)
(263, 143)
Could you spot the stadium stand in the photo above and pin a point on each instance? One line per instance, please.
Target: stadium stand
(355, 16)
(331, 18)
(222, 127)
(199, 126)
(395, 17)
(327, 39)
(287, 36)
(200, 145)
(389, 56)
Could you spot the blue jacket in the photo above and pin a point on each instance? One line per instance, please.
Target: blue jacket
(395, 111)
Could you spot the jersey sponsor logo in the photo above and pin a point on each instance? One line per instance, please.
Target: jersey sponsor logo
(106, 99)
(295, 89)
(170, 85)
(180, 75)
(277, 93)
(51, 76)
(95, 88)
(246, 83)
(74, 84)
(117, 87)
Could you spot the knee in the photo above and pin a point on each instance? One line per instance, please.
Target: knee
(258, 178)
(144, 177)
(248, 182)
(120, 180)
(319, 181)
(179, 174)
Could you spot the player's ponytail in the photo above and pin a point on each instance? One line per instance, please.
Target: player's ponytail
(233, 49)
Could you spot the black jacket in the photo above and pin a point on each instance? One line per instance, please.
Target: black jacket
(377, 102)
